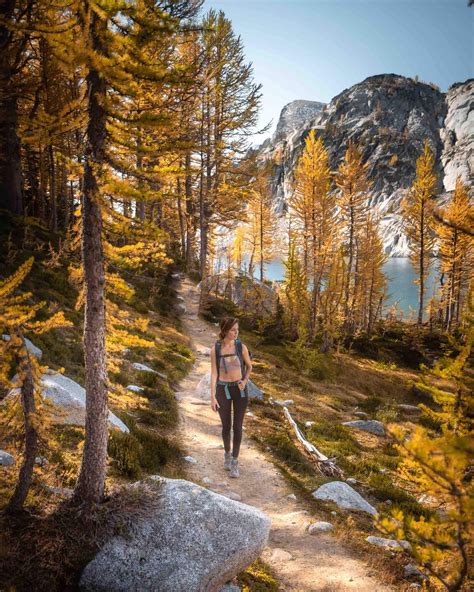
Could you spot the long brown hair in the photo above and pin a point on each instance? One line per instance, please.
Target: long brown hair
(226, 325)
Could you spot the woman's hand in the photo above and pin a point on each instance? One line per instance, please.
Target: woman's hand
(242, 384)
(214, 404)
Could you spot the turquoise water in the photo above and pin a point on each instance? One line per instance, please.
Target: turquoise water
(400, 275)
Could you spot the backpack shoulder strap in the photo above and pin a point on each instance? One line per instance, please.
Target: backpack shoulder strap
(239, 350)
(217, 346)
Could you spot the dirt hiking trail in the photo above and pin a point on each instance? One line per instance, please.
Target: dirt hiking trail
(302, 562)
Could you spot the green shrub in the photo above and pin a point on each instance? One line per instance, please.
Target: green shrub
(332, 438)
(140, 450)
(124, 449)
(155, 450)
(388, 413)
(284, 449)
(371, 404)
(258, 577)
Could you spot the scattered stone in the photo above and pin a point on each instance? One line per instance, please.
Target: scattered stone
(6, 459)
(411, 571)
(344, 496)
(280, 555)
(389, 502)
(409, 408)
(250, 414)
(69, 400)
(389, 543)
(135, 389)
(317, 527)
(61, 491)
(370, 425)
(190, 459)
(333, 513)
(308, 424)
(414, 586)
(31, 347)
(361, 414)
(284, 403)
(41, 461)
(351, 481)
(181, 308)
(143, 368)
(162, 375)
(207, 480)
(191, 539)
(180, 298)
(291, 496)
(426, 499)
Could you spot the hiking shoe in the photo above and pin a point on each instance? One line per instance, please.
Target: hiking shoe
(234, 468)
(227, 460)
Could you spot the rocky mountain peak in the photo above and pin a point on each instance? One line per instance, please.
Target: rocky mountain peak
(295, 115)
(390, 117)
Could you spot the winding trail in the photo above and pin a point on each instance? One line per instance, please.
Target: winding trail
(302, 562)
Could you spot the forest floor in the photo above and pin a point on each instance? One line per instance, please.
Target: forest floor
(300, 561)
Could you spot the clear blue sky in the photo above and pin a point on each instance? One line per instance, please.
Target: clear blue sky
(314, 49)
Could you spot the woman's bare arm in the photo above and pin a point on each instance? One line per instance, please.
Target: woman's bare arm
(248, 363)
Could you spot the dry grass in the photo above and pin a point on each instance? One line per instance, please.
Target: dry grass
(354, 384)
(54, 547)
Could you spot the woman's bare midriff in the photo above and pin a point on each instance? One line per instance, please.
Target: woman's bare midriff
(234, 374)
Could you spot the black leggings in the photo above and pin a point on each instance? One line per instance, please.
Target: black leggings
(240, 405)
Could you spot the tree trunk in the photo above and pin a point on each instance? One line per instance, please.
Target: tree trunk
(182, 231)
(422, 266)
(190, 226)
(11, 183)
(31, 435)
(91, 480)
(11, 195)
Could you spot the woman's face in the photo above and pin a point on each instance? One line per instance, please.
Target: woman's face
(233, 332)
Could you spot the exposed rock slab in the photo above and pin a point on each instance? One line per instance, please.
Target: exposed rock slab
(367, 425)
(69, 399)
(389, 543)
(344, 496)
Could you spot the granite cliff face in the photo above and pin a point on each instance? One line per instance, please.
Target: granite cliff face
(390, 116)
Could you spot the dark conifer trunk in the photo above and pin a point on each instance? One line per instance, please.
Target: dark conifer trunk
(91, 480)
(11, 184)
(31, 435)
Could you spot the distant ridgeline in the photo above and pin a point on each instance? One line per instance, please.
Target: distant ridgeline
(390, 117)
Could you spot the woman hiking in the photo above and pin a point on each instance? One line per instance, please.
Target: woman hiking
(230, 370)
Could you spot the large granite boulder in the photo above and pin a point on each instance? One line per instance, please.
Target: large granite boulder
(193, 540)
(344, 496)
(69, 400)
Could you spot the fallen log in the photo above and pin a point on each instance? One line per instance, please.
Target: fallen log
(324, 465)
